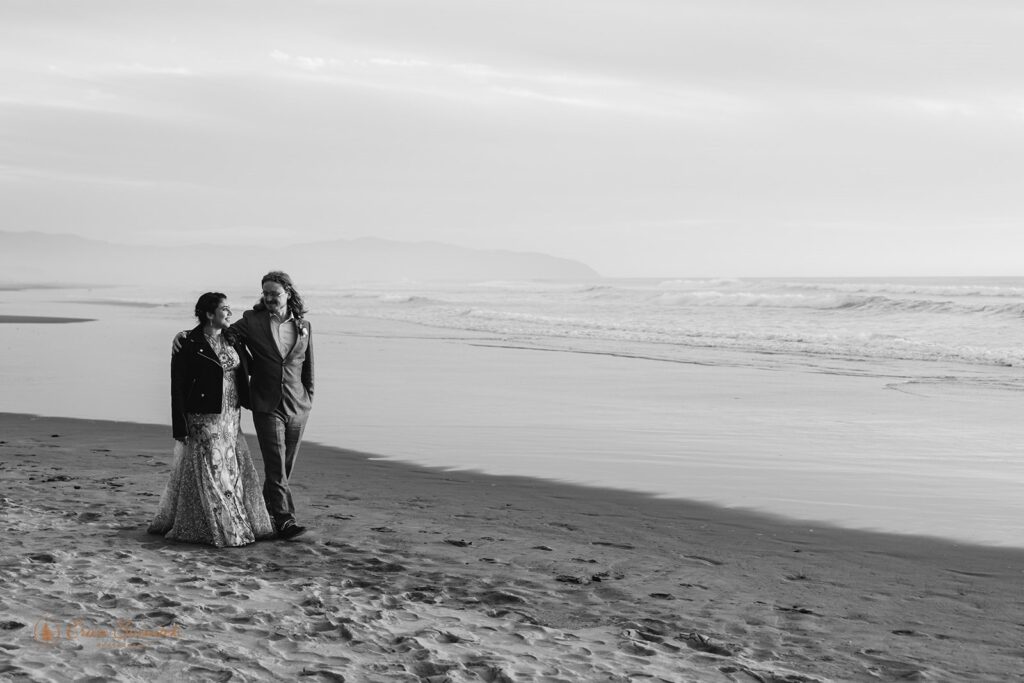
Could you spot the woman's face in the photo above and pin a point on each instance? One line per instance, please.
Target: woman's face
(275, 297)
(222, 315)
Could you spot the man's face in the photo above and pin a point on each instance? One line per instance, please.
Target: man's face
(275, 297)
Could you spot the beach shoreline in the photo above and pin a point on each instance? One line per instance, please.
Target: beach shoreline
(889, 446)
(40, 320)
(417, 573)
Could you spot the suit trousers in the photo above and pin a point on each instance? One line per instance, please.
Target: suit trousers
(279, 435)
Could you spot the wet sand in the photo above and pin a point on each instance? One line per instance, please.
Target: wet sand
(419, 574)
(41, 319)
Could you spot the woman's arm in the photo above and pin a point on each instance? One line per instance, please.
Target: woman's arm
(180, 384)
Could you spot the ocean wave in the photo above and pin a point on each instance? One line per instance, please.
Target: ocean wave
(884, 304)
(839, 302)
(910, 289)
(765, 316)
(539, 286)
(407, 299)
(332, 294)
(845, 343)
(716, 298)
(698, 283)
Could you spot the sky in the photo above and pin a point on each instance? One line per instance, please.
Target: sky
(654, 138)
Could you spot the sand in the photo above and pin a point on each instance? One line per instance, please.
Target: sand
(40, 320)
(418, 574)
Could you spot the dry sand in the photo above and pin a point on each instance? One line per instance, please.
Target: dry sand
(415, 574)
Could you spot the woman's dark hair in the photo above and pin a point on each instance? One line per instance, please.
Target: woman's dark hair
(296, 306)
(208, 303)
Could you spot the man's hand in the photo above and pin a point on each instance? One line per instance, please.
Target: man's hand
(178, 341)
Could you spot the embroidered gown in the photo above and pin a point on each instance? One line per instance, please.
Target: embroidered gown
(213, 495)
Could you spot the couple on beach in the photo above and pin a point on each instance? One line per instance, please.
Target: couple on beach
(263, 362)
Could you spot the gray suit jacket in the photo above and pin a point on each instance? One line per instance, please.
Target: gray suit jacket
(276, 381)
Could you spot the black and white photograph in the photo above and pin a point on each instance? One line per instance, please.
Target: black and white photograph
(454, 341)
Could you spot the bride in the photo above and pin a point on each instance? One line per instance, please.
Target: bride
(213, 495)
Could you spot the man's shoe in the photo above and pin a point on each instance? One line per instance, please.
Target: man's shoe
(291, 531)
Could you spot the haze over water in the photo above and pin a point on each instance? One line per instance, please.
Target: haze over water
(882, 404)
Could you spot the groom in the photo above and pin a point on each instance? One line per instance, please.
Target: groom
(279, 340)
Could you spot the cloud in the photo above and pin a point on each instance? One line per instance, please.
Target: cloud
(525, 93)
(401, 63)
(150, 70)
(27, 174)
(988, 107)
(487, 84)
(301, 62)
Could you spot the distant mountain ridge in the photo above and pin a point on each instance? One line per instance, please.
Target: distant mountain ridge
(44, 257)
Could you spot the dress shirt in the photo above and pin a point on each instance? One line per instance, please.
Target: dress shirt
(284, 331)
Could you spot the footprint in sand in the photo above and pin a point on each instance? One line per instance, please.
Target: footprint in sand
(158, 618)
(45, 558)
(569, 578)
(427, 670)
(378, 565)
(488, 672)
(448, 638)
(702, 643)
(796, 609)
(621, 546)
(632, 648)
(500, 598)
(203, 673)
(322, 675)
(108, 601)
(891, 669)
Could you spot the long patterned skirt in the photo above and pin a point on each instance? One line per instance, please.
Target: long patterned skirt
(214, 495)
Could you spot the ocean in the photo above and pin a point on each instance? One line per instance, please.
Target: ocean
(975, 322)
(883, 404)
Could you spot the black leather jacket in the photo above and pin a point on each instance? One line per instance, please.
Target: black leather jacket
(197, 380)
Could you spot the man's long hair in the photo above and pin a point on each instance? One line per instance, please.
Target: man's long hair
(296, 306)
